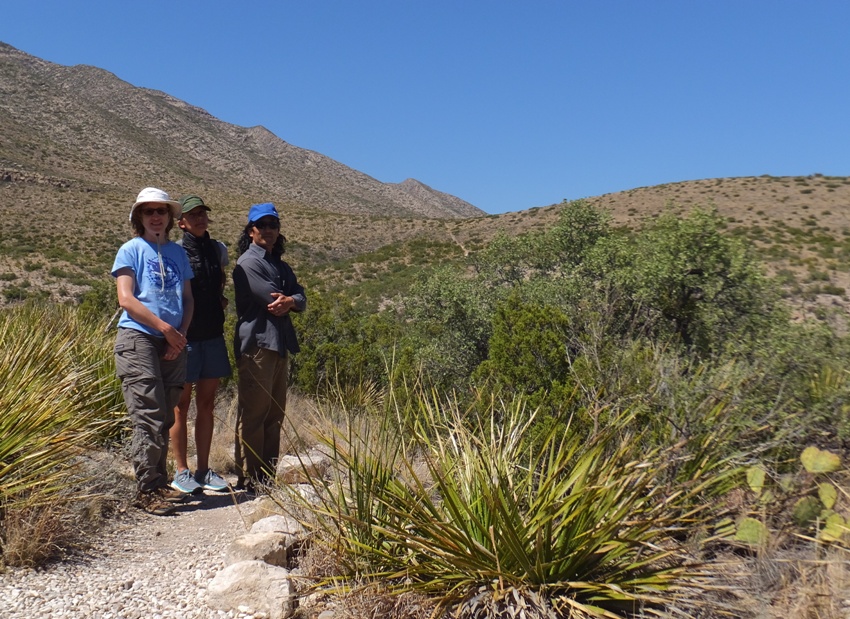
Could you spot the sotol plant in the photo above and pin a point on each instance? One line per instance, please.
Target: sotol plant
(460, 509)
(58, 397)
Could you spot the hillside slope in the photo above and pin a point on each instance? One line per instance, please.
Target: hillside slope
(85, 126)
(77, 143)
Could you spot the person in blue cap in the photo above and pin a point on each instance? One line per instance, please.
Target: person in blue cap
(266, 291)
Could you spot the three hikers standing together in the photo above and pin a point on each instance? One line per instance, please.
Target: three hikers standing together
(171, 341)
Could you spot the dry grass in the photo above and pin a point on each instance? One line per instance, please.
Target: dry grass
(786, 584)
(35, 535)
(299, 415)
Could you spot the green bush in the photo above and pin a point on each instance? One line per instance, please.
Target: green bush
(59, 394)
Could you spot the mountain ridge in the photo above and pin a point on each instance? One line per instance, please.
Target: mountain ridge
(86, 124)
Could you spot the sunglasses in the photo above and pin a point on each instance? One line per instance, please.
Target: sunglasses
(158, 211)
(267, 225)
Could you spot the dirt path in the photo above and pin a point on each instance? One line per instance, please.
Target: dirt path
(141, 566)
(457, 241)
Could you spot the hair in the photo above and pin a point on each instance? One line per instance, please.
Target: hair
(139, 227)
(245, 240)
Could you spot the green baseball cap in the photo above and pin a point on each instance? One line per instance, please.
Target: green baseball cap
(187, 203)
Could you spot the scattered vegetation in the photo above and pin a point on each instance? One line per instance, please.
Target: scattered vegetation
(455, 505)
(597, 413)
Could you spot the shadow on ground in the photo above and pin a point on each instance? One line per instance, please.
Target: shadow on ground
(215, 500)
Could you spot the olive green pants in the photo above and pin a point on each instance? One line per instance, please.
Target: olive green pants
(263, 378)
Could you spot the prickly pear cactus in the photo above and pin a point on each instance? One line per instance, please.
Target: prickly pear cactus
(752, 531)
(835, 528)
(755, 478)
(806, 510)
(827, 494)
(820, 461)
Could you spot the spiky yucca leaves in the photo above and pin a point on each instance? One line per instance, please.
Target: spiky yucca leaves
(365, 449)
(58, 395)
(578, 528)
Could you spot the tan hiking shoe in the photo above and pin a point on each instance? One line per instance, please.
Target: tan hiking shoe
(170, 495)
(152, 503)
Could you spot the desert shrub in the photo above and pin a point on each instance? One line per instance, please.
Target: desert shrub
(17, 292)
(460, 510)
(342, 345)
(60, 397)
(684, 277)
(450, 320)
(100, 301)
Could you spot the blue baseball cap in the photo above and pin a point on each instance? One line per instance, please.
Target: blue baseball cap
(258, 211)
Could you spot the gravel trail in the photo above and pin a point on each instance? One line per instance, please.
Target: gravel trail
(141, 567)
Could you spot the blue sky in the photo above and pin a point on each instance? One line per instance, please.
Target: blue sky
(506, 104)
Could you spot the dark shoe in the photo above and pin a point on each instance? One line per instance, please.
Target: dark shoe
(250, 488)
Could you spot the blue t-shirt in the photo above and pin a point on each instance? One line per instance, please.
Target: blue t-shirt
(159, 280)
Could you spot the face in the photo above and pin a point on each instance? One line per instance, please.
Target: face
(265, 231)
(155, 217)
(196, 221)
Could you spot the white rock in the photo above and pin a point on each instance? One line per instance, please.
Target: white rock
(278, 524)
(300, 469)
(269, 547)
(264, 588)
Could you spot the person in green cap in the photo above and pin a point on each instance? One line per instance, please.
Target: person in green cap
(207, 361)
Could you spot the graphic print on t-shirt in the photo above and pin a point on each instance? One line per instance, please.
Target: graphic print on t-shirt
(160, 268)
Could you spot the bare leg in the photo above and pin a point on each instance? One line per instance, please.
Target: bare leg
(205, 390)
(178, 432)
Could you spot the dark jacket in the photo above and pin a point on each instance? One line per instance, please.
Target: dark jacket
(205, 258)
(257, 275)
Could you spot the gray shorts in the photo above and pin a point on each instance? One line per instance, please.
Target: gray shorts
(207, 359)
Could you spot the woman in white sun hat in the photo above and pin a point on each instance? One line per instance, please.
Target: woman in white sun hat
(152, 276)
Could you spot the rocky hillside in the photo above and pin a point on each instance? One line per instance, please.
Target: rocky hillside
(81, 126)
(77, 143)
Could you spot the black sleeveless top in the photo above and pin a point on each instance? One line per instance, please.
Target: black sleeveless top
(205, 260)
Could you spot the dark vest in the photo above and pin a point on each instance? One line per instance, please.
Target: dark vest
(205, 260)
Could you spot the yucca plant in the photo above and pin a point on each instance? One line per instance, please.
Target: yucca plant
(57, 397)
(578, 528)
(365, 448)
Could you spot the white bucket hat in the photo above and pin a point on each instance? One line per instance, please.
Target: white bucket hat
(152, 194)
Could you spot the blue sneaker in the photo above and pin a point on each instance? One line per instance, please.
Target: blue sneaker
(184, 482)
(210, 480)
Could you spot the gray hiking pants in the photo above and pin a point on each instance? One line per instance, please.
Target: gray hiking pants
(152, 387)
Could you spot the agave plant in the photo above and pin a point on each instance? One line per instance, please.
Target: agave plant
(579, 527)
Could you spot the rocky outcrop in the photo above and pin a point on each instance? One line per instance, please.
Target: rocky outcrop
(258, 577)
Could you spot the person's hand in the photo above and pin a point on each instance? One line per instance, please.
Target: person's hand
(175, 338)
(224, 302)
(281, 304)
(171, 352)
